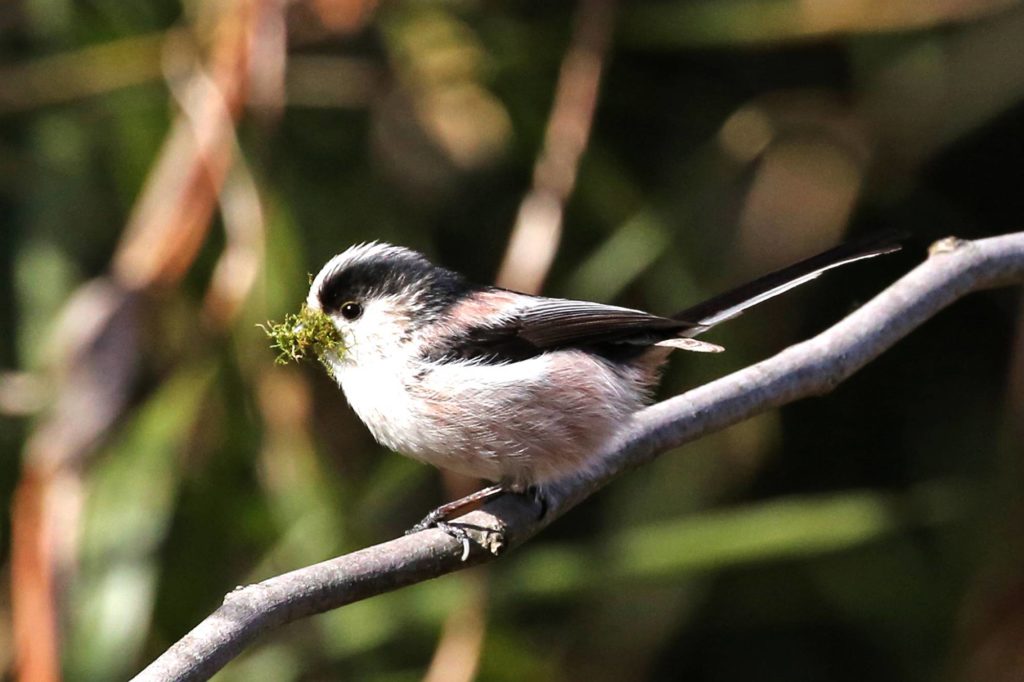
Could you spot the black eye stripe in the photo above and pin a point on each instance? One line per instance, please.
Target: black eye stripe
(404, 275)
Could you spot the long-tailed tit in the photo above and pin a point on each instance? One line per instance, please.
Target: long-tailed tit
(504, 386)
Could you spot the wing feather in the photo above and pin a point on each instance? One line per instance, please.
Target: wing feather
(540, 324)
(557, 322)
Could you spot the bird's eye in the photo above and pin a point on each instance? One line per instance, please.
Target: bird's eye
(351, 310)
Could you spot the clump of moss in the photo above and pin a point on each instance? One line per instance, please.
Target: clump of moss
(299, 336)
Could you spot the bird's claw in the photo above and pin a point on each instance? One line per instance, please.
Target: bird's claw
(451, 530)
(536, 495)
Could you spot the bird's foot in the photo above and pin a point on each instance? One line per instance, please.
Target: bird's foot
(438, 518)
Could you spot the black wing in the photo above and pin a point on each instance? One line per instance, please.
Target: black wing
(550, 323)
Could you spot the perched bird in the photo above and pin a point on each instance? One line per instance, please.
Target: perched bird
(495, 384)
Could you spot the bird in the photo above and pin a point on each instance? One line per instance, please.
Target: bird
(517, 389)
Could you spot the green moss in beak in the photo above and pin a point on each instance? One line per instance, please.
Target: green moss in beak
(299, 336)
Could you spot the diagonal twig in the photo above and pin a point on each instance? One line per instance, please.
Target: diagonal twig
(538, 227)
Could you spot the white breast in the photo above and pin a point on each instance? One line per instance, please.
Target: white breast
(522, 423)
(378, 396)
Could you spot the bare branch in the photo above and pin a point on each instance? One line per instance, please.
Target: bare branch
(954, 268)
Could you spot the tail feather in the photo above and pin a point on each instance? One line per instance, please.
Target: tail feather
(728, 305)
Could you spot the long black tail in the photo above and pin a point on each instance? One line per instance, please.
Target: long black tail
(728, 305)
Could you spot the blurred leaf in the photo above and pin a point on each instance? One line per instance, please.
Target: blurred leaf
(677, 23)
(44, 278)
(772, 531)
(130, 504)
(629, 250)
(786, 528)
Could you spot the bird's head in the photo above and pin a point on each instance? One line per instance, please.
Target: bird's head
(379, 296)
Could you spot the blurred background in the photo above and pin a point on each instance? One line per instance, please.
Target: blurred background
(171, 171)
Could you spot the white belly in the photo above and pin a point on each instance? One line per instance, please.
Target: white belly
(525, 423)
